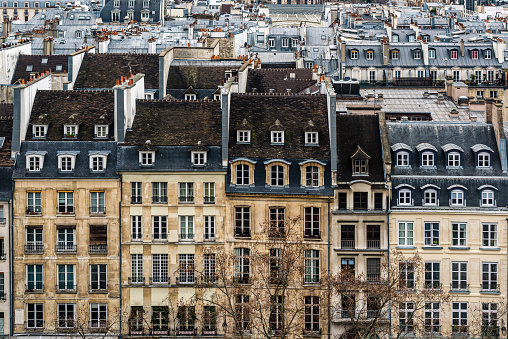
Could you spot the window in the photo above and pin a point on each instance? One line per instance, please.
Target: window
(354, 54)
(277, 175)
(294, 42)
(242, 174)
(116, 3)
(432, 53)
(242, 221)
(456, 76)
(493, 94)
(159, 192)
(147, 158)
(34, 242)
(70, 131)
(160, 269)
(490, 328)
(131, 3)
(98, 277)
(66, 315)
(420, 74)
(66, 202)
(209, 197)
(397, 74)
(348, 265)
(66, 277)
(186, 192)
(489, 277)
(242, 265)
(275, 266)
(405, 234)
(209, 267)
(406, 275)
(459, 234)
(459, 317)
(405, 197)
(312, 176)
(453, 159)
(373, 269)
(186, 268)
(160, 227)
(311, 138)
(160, 319)
(406, 317)
(209, 221)
(33, 203)
(370, 55)
(198, 158)
(360, 200)
(66, 163)
(378, 201)
(311, 267)
(28, 67)
(459, 276)
(146, 3)
(277, 137)
(242, 312)
(474, 55)
(372, 76)
(136, 192)
(66, 240)
(98, 315)
(373, 236)
(427, 159)
(136, 320)
(432, 318)
(285, 43)
(490, 75)
(276, 305)
(97, 203)
(136, 228)
(98, 163)
(243, 136)
(488, 54)
(271, 43)
(417, 54)
(360, 166)
(395, 55)
(453, 55)
(489, 235)
(430, 197)
(487, 198)
(432, 275)
(395, 38)
(433, 75)
(312, 225)
(58, 68)
(480, 94)
(34, 163)
(342, 201)
(277, 222)
(431, 234)
(35, 315)
(402, 159)
(39, 131)
(186, 227)
(483, 160)
(186, 318)
(136, 268)
(34, 280)
(347, 236)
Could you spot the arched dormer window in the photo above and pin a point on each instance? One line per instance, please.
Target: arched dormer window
(487, 196)
(483, 156)
(277, 173)
(369, 54)
(354, 54)
(430, 195)
(312, 174)
(242, 172)
(66, 160)
(432, 53)
(457, 195)
(487, 54)
(453, 156)
(98, 160)
(402, 154)
(427, 155)
(405, 195)
(35, 160)
(475, 54)
(395, 54)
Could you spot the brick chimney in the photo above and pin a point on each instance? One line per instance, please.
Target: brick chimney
(7, 27)
(386, 50)
(48, 45)
(462, 47)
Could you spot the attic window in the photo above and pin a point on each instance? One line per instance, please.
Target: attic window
(360, 166)
(474, 55)
(488, 54)
(98, 163)
(101, 131)
(243, 137)
(360, 161)
(453, 55)
(277, 137)
(354, 54)
(34, 163)
(131, 3)
(146, 158)
(58, 68)
(370, 55)
(395, 55)
(198, 158)
(146, 3)
(292, 75)
(71, 131)
(311, 138)
(39, 131)
(44, 61)
(417, 54)
(66, 160)
(190, 96)
(29, 68)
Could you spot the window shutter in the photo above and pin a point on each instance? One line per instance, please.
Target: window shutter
(98, 234)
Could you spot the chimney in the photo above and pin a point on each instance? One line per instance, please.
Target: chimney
(462, 47)
(151, 46)
(386, 51)
(7, 27)
(343, 52)
(48, 45)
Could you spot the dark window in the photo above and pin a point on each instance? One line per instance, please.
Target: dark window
(342, 197)
(373, 269)
(373, 236)
(360, 200)
(347, 235)
(378, 201)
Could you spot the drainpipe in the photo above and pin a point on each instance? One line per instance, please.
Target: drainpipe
(388, 236)
(120, 252)
(11, 262)
(329, 267)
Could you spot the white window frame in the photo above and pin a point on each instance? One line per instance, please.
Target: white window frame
(311, 138)
(460, 314)
(406, 233)
(405, 197)
(98, 163)
(430, 236)
(66, 279)
(312, 176)
(428, 159)
(432, 53)
(453, 160)
(244, 177)
(277, 137)
(136, 227)
(199, 158)
(146, 158)
(459, 234)
(187, 227)
(457, 198)
(209, 192)
(34, 163)
(430, 197)
(406, 317)
(102, 270)
(432, 317)
(369, 55)
(354, 54)
(66, 162)
(417, 55)
(38, 323)
(136, 268)
(185, 192)
(488, 54)
(209, 228)
(489, 235)
(403, 159)
(488, 198)
(160, 227)
(39, 131)
(97, 202)
(395, 55)
(70, 130)
(277, 175)
(432, 268)
(101, 131)
(102, 313)
(312, 267)
(271, 43)
(67, 316)
(483, 160)
(160, 268)
(243, 136)
(491, 271)
(186, 265)
(285, 43)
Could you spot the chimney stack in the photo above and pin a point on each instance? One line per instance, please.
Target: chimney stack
(462, 47)
(48, 45)
(7, 27)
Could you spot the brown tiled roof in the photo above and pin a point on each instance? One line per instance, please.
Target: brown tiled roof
(6, 111)
(102, 70)
(279, 80)
(37, 66)
(199, 77)
(83, 107)
(293, 112)
(176, 123)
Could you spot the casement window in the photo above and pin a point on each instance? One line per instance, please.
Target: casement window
(378, 201)
(395, 38)
(474, 55)
(432, 318)
(186, 227)
(402, 159)
(395, 55)
(487, 54)
(275, 266)
(209, 268)
(66, 202)
(420, 74)
(348, 265)
(369, 55)
(242, 222)
(98, 163)
(489, 277)
(146, 158)
(160, 269)
(276, 304)
(160, 320)
(489, 235)
(98, 277)
(453, 159)
(427, 159)
(186, 319)
(39, 131)
(66, 316)
(159, 192)
(360, 200)
(285, 43)
(71, 131)
(186, 192)
(373, 269)
(493, 94)
(490, 75)
(373, 236)
(431, 234)
(459, 234)
(242, 312)
(312, 225)
(432, 275)
(97, 203)
(98, 315)
(277, 175)
(35, 315)
(430, 197)
(101, 131)
(277, 222)
(312, 176)
(433, 74)
(243, 136)
(453, 55)
(456, 76)
(136, 320)
(294, 42)
(136, 268)
(66, 163)
(312, 264)
(198, 158)
(136, 192)
(347, 236)
(136, 228)
(360, 166)
(34, 278)
(460, 317)
(405, 198)
(311, 138)
(490, 328)
(372, 76)
(342, 201)
(417, 54)
(209, 319)
(209, 228)
(459, 276)
(242, 174)
(33, 202)
(34, 242)
(457, 198)
(406, 275)
(488, 198)
(277, 137)
(160, 227)
(116, 3)
(34, 163)
(66, 277)
(406, 317)
(146, 3)
(242, 265)
(396, 74)
(271, 43)
(354, 54)
(406, 233)
(209, 190)
(186, 268)
(483, 160)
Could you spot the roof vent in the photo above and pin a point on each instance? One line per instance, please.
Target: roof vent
(271, 90)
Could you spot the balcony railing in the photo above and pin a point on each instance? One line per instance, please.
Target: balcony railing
(159, 200)
(490, 287)
(65, 248)
(34, 325)
(98, 249)
(3, 296)
(186, 280)
(432, 331)
(242, 233)
(34, 247)
(63, 324)
(373, 277)
(376, 244)
(37, 210)
(136, 279)
(2, 221)
(347, 244)
(98, 288)
(183, 199)
(312, 234)
(160, 330)
(459, 287)
(65, 209)
(66, 288)
(358, 315)
(159, 279)
(136, 199)
(34, 288)
(186, 237)
(209, 331)
(99, 325)
(209, 237)
(159, 237)
(433, 286)
(98, 210)
(276, 232)
(136, 237)
(186, 332)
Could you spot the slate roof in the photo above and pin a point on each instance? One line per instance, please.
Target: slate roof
(102, 70)
(176, 123)
(443, 55)
(363, 131)
(406, 55)
(279, 79)
(362, 48)
(22, 72)
(58, 106)
(293, 112)
(6, 114)
(199, 77)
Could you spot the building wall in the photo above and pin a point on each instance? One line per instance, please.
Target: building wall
(5, 293)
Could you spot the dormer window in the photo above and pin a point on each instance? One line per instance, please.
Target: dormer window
(44, 61)
(66, 163)
(405, 198)
(411, 38)
(427, 159)
(395, 55)
(370, 55)
(430, 197)
(146, 158)
(131, 3)
(29, 68)
(488, 54)
(432, 53)
(98, 160)
(116, 3)
(417, 54)
(39, 131)
(243, 136)
(146, 3)
(474, 55)
(277, 137)
(71, 131)
(483, 160)
(34, 163)
(453, 55)
(457, 198)
(488, 198)
(311, 138)
(402, 159)
(360, 167)
(360, 161)
(190, 97)
(395, 38)
(198, 158)
(354, 54)
(101, 131)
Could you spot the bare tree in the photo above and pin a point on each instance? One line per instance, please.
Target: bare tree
(486, 319)
(105, 325)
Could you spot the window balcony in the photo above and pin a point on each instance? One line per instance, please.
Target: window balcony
(490, 288)
(312, 234)
(98, 325)
(34, 325)
(209, 331)
(277, 232)
(189, 280)
(373, 277)
(33, 210)
(34, 288)
(242, 233)
(347, 244)
(312, 333)
(159, 200)
(97, 210)
(3, 296)
(34, 248)
(65, 210)
(459, 287)
(433, 286)
(136, 199)
(159, 279)
(186, 332)
(65, 248)
(98, 288)
(66, 288)
(98, 249)
(186, 237)
(160, 330)
(373, 244)
(186, 199)
(136, 237)
(136, 280)
(65, 324)
(159, 237)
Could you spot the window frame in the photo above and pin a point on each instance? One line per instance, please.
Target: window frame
(146, 158)
(428, 159)
(403, 159)
(37, 129)
(453, 160)
(430, 197)
(312, 273)
(160, 268)
(483, 160)
(489, 235)
(432, 234)
(485, 198)
(405, 194)
(407, 239)
(186, 227)
(457, 197)
(277, 137)
(459, 234)
(160, 224)
(243, 136)
(311, 138)
(185, 192)
(199, 158)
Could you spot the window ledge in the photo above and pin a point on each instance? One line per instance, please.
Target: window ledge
(454, 167)
(490, 248)
(277, 144)
(242, 143)
(406, 247)
(66, 214)
(432, 247)
(490, 292)
(459, 248)
(311, 145)
(428, 167)
(460, 292)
